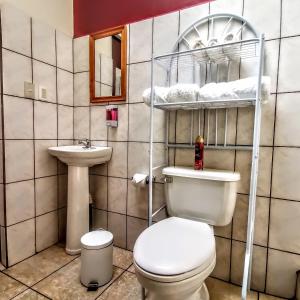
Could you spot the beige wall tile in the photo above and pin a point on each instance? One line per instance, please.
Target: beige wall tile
(18, 160)
(139, 80)
(285, 174)
(99, 219)
(64, 46)
(229, 6)
(117, 225)
(45, 76)
(81, 54)
(20, 241)
(117, 166)
(45, 164)
(282, 268)
(45, 120)
(265, 23)
(246, 123)
(2, 221)
(16, 29)
(140, 41)
(287, 120)
(258, 274)
(16, 70)
(18, 118)
(164, 35)
(65, 93)
(289, 64)
(20, 203)
(62, 224)
(43, 42)
(46, 194)
(117, 195)
(98, 123)
(284, 225)
(46, 230)
(81, 122)
(81, 89)
(222, 268)
(98, 190)
(240, 219)
(290, 18)
(220, 160)
(134, 229)
(243, 165)
(62, 190)
(65, 122)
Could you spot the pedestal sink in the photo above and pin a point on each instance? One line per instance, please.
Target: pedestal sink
(79, 159)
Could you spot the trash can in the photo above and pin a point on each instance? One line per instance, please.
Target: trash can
(96, 258)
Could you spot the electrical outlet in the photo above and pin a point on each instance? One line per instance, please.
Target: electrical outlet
(29, 90)
(42, 93)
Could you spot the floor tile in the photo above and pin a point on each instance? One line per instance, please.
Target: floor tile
(39, 266)
(30, 295)
(122, 258)
(220, 290)
(131, 269)
(65, 284)
(126, 287)
(267, 297)
(1, 267)
(9, 287)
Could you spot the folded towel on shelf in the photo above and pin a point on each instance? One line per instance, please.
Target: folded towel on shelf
(246, 88)
(160, 94)
(242, 88)
(183, 92)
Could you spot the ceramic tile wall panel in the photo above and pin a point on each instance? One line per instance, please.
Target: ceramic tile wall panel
(34, 52)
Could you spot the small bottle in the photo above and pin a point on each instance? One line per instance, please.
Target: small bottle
(199, 153)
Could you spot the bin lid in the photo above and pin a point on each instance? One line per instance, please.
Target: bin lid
(96, 239)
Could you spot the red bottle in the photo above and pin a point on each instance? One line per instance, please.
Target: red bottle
(199, 153)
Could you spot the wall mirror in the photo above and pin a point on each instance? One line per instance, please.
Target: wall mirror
(108, 55)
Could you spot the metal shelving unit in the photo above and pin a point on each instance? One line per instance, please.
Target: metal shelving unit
(185, 62)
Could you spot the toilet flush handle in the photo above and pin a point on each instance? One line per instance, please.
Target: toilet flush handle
(168, 179)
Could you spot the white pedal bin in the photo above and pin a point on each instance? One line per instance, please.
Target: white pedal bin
(96, 257)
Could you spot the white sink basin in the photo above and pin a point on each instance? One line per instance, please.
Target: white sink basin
(80, 156)
(79, 159)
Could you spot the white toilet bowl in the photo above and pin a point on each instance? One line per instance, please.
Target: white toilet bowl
(173, 258)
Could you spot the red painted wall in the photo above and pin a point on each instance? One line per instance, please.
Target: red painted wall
(94, 15)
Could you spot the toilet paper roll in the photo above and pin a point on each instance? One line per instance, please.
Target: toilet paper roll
(139, 180)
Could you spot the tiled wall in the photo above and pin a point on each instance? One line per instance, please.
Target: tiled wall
(35, 52)
(34, 183)
(118, 205)
(123, 208)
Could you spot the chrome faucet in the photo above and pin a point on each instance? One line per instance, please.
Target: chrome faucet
(86, 143)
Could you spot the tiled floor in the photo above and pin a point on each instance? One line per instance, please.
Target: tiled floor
(52, 274)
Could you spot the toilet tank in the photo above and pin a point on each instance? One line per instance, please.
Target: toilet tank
(207, 195)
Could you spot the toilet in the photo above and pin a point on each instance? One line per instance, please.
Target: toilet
(173, 257)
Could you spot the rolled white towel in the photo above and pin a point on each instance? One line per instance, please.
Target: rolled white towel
(213, 91)
(160, 94)
(246, 88)
(183, 92)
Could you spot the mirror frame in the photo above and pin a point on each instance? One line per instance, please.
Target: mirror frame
(93, 38)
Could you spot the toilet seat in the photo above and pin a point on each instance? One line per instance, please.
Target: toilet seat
(175, 248)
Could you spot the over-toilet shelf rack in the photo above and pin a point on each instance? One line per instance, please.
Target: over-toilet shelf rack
(205, 64)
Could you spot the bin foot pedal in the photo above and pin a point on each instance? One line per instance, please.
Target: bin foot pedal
(93, 286)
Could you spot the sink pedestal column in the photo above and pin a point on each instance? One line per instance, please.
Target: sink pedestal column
(78, 207)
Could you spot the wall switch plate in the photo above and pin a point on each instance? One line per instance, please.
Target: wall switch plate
(42, 93)
(29, 90)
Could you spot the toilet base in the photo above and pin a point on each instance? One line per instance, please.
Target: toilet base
(201, 294)
(175, 288)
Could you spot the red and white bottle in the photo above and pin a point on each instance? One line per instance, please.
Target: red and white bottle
(199, 153)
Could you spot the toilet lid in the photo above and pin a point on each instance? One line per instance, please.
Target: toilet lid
(175, 246)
